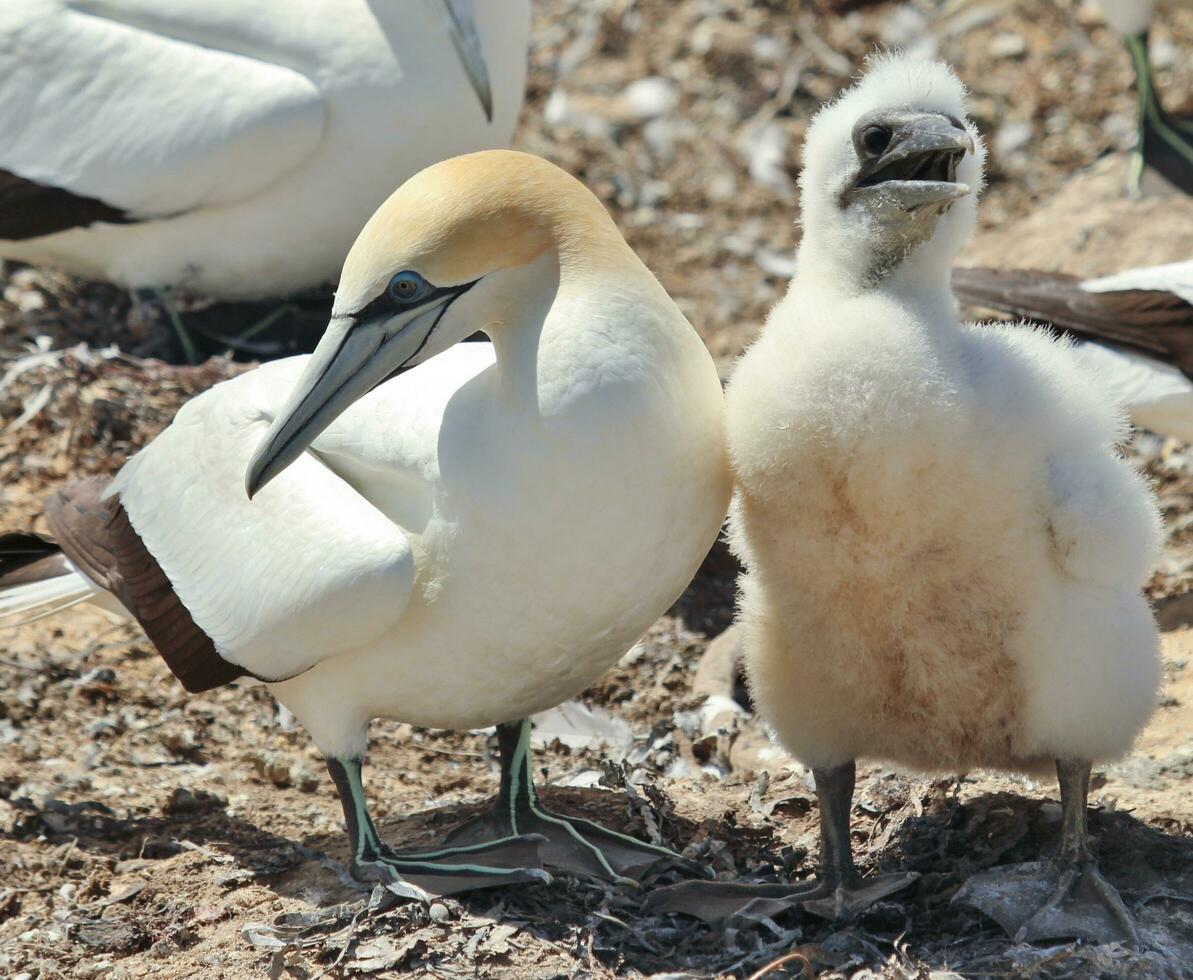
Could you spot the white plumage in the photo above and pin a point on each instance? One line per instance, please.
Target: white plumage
(1157, 395)
(1132, 330)
(477, 539)
(246, 141)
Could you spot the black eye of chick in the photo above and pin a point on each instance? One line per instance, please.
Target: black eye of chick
(875, 139)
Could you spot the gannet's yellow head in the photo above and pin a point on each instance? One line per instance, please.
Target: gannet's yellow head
(437, 262)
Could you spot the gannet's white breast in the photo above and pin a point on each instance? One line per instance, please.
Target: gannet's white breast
(462, 547)
(248, 140)
(1129, 17)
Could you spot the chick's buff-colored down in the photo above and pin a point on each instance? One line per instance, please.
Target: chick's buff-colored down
(944, 549)
(451, 535)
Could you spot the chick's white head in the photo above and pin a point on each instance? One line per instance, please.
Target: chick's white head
(891, 173)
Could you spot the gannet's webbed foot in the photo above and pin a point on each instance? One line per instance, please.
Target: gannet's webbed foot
(572, 844)
(424, 873)
(839, 893)
(720, 902)
(1050, 900)
(1165, 142)
(1064, 898)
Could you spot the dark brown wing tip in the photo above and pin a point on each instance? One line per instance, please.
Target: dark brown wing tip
(29, 209)
(96, 534)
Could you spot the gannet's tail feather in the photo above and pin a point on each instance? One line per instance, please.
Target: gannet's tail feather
(37, 580)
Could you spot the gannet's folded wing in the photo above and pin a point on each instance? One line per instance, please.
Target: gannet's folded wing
(126, 109)
(1155, 321)
(308, 569)
(1173, 277)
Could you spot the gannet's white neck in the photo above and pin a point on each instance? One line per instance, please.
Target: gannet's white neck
(527, 292)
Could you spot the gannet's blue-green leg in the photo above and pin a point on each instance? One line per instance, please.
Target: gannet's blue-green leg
(572, 844)
(1164, 143)
(149, 295)
(504, 861)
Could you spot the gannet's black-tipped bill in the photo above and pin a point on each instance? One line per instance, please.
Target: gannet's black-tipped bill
(461, 26)
(356, 354)
(910, 158)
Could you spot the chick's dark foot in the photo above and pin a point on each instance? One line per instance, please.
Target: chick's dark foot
(721, 902)
(1051, 900)
(1065, 898)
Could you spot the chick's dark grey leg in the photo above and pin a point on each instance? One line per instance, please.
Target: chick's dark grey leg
(839, 892)
(571, 844)
(1064, 898)
(1082, 897)
(420, 874)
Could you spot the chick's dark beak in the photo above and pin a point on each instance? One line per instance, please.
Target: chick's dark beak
(906, 147)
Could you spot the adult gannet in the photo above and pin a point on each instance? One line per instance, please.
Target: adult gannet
(235, 147)
(944, 550)
(463, 545)
(1165, 141)
(1135, 328)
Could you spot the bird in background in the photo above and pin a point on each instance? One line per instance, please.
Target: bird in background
(1134, 329)
(944, 551)
(234, 148)
(1165, 140)
(453, 535)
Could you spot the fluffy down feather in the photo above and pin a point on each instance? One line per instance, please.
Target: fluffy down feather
(944, 548)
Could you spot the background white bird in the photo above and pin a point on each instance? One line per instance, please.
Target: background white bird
(464, 545)
(1134, 330)
(944, 551)
(1165, 140)
(235, 147)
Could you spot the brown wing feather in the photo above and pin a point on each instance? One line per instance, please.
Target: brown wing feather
(29, 209)
(1154, 322)
(97, 536)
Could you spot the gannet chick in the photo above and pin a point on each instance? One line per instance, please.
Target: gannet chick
(465, 544)
(944, 551)
(235, 147)
(1135, 327)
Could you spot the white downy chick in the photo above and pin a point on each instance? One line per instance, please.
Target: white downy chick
(944, 550)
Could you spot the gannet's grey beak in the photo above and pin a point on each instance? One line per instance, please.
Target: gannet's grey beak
(461, 26)
(353, 357)
(911, 156)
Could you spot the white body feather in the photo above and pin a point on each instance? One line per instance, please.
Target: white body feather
(1157, 396)
(251, 138)
(465, 545)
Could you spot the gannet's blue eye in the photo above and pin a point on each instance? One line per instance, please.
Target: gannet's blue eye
(407, 287)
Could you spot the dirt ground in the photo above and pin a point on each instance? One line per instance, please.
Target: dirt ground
(145, 832)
